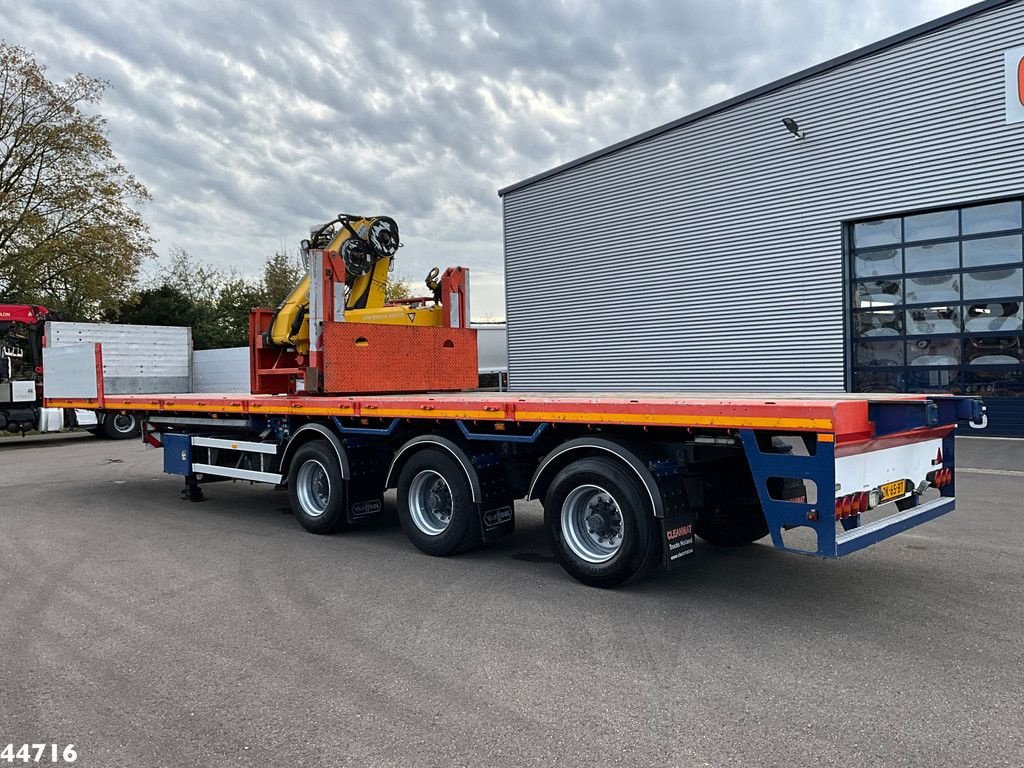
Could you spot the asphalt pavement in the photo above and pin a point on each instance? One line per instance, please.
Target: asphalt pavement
(150, 631)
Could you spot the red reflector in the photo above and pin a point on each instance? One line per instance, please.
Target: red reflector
(839, 508)
(847, 506)
(862, 503)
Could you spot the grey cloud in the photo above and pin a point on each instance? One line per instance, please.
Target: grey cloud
(249, 122)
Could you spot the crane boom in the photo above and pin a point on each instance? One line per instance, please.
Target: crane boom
(367, 246)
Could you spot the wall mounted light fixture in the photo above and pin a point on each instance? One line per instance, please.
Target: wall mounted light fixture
(792, 127)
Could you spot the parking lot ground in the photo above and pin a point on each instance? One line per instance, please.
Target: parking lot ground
(149, 631)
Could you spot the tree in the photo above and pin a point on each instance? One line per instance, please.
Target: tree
(69, 234)
(214, 302)
(185, 292)
(159, 305)
(397, 288)
(280, 274)
(236, 298)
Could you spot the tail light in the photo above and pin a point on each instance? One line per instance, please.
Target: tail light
(942, 477)
(862, 502)
(852, 505)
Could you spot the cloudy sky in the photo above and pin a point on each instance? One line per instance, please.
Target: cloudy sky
(251, 121)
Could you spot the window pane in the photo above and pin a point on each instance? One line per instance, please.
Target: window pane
(879, 353)
(933, 352)
(937, 380)
(877, 293)
(992, 250)
(997, 382)
(1007, 316)
(878, 381)
(925, 258)
(933, 288)
(993, 350)
(992, 283)
(883, 232)
(879, 323)
(884, 262)
(991, 218)
(933, 320)
(930, 226)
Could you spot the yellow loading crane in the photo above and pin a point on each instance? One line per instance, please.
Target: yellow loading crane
(367, 245)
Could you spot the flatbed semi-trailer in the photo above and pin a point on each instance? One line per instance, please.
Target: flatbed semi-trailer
(626, 480)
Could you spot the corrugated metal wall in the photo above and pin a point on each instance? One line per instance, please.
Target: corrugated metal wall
(711, 257)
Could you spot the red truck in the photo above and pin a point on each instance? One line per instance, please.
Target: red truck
(140, 358)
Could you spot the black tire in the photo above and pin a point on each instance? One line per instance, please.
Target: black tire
(316, 490)
(731, 525)
(435, 504)
(120, 426)
(629, 519)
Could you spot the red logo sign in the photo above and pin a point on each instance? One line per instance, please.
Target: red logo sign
(677, 533)
(1020, 81)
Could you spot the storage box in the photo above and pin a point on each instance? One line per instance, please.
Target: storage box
(364, 358)
(18, 392)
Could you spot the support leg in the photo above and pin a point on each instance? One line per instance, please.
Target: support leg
(192, 491)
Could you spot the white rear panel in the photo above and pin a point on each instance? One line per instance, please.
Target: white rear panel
(864, 471)
(70, 372)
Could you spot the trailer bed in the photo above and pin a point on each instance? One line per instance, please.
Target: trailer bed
(844, 416)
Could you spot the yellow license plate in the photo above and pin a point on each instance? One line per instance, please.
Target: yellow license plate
(894, 490)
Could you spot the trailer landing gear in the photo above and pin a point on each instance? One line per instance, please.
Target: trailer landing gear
(192, 491)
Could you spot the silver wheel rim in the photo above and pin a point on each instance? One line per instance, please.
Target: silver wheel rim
(122, 422)
(313, 487)
(430, 502)
(592, 524)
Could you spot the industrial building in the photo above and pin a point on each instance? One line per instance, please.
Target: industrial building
(856, 226)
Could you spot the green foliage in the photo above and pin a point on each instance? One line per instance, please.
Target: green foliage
(161, 305)
(70, 237)
(214, 302)
(280, 274)
(397, 288)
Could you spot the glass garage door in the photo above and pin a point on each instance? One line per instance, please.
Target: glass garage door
(938, 306)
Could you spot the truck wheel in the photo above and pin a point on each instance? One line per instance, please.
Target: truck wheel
(435, 504)
(731, 526)
(316, 489)
(120, 426)
(600, 523)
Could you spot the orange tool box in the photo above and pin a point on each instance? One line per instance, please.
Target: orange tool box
(369, 357)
